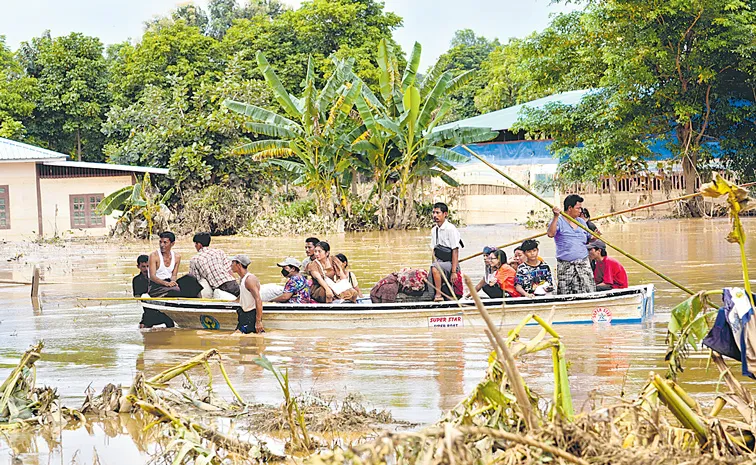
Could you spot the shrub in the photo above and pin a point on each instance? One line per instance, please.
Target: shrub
(219, 209)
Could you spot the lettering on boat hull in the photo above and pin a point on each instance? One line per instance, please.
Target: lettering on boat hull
(602, 315)
(445, 321)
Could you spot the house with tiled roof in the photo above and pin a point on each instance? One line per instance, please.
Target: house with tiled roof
(43, 194)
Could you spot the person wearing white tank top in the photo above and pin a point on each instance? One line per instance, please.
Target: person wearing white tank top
(251, 311)
(164, 265)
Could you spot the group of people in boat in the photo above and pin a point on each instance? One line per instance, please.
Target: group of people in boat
(320, 277)
(582, 266)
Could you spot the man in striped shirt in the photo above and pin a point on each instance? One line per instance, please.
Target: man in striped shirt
(212, 265)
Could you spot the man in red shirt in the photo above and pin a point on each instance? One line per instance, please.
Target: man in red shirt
(609, 273)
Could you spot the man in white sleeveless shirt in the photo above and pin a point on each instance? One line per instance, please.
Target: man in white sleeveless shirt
(250, 313)
(164, 265)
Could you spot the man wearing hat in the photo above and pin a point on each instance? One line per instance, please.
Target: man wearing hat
(609, 273)
(250, 313)
(297, 288)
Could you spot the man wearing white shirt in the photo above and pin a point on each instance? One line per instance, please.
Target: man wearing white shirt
(445, 241)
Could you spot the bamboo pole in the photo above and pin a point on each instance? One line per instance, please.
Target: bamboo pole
(580, 225)
(601, 217)
(507, 361)
(193, 299)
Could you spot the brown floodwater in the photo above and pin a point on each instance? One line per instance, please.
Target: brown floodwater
(416, 374)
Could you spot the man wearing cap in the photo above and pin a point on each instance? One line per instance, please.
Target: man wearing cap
(297, 288)
(574, 274)
(609, 273)
(250, 313)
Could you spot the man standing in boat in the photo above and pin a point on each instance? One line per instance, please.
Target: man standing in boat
(212, 265)
(446, 242)
(574, 273)
(251, 311)
(164, 265)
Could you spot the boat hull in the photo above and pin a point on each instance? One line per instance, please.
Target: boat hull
(631, 305)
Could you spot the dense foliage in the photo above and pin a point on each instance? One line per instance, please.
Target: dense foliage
(680, 72)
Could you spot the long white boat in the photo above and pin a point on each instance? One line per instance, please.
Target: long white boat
(631, 305)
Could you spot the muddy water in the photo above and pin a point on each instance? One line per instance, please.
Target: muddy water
(417, 374)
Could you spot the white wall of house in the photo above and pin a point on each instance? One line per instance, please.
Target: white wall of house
(20, 177)
(56, 203)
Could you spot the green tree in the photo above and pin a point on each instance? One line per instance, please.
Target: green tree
(73, 94)
(672, 70)
(565, 56)
(18, 93)
(592, 139)
(400, 141)
(313, 131)
(176, 50)
(467, 52)
(186, 131)
(318, 29)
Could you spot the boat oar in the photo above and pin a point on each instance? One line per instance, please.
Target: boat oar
(580, 225)
(193, 299)
(608, 215)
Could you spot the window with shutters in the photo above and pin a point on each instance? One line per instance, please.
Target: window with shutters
(4, 208)
(83, 214)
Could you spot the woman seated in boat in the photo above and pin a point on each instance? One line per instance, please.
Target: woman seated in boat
(350, 276)
(533, 275)
(501, 282)
(329, 280)
(297, 288)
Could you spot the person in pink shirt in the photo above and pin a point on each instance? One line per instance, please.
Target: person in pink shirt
(609, 273)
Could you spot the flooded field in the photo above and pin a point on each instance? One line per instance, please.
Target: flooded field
(416, 374)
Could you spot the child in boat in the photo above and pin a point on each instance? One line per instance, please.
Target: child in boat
(350, 276)
(533, 275)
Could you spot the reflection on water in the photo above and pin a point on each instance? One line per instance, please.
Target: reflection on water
(416, 373)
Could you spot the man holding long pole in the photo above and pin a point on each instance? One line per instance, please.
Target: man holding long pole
(574, 274)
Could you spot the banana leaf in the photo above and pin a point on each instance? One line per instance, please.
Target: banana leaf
(447, 154)
(410, 72)
(271, 130)
(114, 201)
(258, 114)
(433, 100)
(279, 92)
(261, 145)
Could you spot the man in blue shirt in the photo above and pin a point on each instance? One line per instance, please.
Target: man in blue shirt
(574, 273)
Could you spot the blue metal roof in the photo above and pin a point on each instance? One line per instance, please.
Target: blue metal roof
(505, 118)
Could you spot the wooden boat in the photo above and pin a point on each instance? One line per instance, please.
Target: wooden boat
(631, 305)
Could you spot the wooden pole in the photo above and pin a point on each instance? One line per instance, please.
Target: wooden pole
(601, 217)
(580, 225)
(35, 283)
(192, 299)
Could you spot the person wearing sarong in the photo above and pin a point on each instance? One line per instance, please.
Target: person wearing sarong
(140, 284)
(574, 273)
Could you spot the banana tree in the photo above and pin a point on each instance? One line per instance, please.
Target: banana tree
(313, 137)
(400, 140)
(142, 200)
